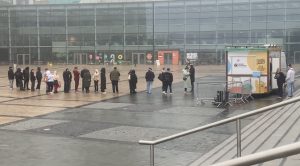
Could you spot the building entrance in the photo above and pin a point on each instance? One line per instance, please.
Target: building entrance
(168, 58)
(80, 58)
(138, 58)
(23, 59)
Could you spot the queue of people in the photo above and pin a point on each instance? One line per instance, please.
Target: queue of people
(53, 83)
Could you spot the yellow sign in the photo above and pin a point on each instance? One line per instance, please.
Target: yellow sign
(258, 61)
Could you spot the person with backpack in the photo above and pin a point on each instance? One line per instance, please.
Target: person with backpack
(11, 77)
(149, 79)
(19, 78)
(168, 78)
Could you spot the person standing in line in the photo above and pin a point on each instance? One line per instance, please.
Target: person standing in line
(132, 82)
(161, 78)
(56, 82)
(39, 77)
(45, 75)
(290, 79)
(86, 80)
(280, 77)
(11, 77)
(50, 82)
(81, 75)
(103, 81)
(67, 76)
(192, 77)
(186, 79)
(168, 78)
(149, 79)
(32, 79)
(115, 77)
(76, 78)
(26, 78)
(96, 78)
(19, 79)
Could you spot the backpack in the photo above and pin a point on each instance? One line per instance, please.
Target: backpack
(160, 77)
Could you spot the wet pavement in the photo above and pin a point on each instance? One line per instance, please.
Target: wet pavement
(79, 129)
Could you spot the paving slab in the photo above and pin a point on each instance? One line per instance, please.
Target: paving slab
(7, 119)
(130, 133)
(26, 111)
(32, 124)
(106, 105)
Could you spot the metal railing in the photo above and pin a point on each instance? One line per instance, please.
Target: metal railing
(268, 155)
(237, 119)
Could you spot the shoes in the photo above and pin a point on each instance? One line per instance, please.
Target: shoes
(164, 92)
(279, 97)
(171, 93)
(104, 93)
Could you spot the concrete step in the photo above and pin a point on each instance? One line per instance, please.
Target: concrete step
(229, 144)
(288, 136)
(256, 136)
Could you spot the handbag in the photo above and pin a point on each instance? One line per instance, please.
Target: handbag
(184, 78)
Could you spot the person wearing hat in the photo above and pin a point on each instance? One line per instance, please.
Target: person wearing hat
(149, 79)
(290, 78)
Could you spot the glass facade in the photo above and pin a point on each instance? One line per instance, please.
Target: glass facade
(59, 33)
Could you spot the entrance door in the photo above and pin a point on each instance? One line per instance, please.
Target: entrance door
(80, 58)
(23, 59)
(138, 58)
(168, 58)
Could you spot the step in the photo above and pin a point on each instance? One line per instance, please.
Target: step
(289, 137)
(227, 149)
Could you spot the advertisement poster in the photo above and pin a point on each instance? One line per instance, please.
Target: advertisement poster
(243, 61)
(248, 85)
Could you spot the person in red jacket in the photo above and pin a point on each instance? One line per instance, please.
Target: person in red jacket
(76, 78)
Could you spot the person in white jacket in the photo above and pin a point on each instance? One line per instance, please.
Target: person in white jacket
(290, 79)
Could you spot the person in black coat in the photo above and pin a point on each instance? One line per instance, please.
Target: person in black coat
(132, 81)
(168, 78)
(67, 76)
(26, 78)
(19, 78)
(39, 77)
(102, 80)
(86, 80)
(32, 79)
(192, 76)
(280, 81)
(81, 75)
(11, 77)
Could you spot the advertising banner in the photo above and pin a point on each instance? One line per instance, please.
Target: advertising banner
(244, 61)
